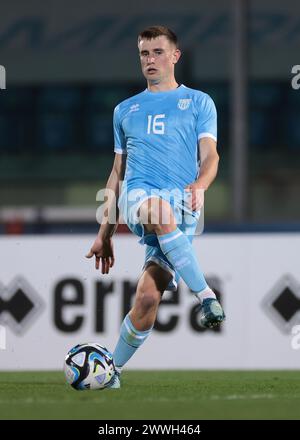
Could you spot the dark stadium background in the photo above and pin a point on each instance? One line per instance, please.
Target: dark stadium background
(56, 118)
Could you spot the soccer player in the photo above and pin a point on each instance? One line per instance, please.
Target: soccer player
(159, 135)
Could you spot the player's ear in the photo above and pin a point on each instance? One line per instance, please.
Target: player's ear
(176, 55)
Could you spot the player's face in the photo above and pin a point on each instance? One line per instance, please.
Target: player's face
(158, 57)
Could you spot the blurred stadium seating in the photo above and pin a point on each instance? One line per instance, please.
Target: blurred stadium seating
(60, 138)
(66, 74)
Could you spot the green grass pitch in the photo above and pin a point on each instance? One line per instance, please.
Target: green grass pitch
(148, 395)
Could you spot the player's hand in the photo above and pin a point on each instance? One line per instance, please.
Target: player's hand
(196, 200)
(103, 251)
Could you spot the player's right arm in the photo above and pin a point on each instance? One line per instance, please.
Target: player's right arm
(102, 248)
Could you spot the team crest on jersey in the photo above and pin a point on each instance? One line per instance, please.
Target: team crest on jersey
(183, 104)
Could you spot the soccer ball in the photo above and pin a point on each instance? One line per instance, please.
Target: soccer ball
(89, 367)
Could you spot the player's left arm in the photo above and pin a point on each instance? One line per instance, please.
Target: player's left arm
(208, 171)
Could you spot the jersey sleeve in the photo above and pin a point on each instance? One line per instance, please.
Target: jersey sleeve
(207, 118)
(119, 138)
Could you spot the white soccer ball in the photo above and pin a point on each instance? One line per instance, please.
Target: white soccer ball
(89, 366)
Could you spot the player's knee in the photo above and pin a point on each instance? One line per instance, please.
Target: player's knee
(157, 216)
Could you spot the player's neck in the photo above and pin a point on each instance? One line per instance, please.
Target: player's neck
(162, 86)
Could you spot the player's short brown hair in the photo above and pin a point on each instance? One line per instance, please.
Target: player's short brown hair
(156, 31)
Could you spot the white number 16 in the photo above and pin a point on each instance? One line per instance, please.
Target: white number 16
(155, 123)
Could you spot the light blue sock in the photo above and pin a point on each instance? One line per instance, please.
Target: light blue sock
(180, 253)
(129, 341)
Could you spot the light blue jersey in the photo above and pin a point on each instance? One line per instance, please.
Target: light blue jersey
(160, 132)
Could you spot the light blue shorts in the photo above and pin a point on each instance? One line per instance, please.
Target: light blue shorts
(186, 220)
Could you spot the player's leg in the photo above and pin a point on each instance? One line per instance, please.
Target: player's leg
(138, 323)
(158, 217)
(151, 286)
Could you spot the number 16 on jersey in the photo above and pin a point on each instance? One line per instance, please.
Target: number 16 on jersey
(155, 124)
